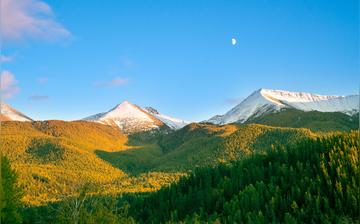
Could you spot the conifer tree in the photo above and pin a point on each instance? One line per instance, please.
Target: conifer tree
(10, 194)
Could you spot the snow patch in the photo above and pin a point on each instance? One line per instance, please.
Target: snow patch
(131, 118)
(10, 113)
(173, 123)
(265, 101)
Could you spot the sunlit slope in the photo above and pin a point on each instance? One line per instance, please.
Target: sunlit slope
(55, 158)
(199, 145)
(314, 120)
(154, 151)
(83, 134)
(315, 181)
(7, 113)
(51, 141)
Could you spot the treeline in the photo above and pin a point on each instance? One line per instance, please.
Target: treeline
(316, 181)
(10, 194)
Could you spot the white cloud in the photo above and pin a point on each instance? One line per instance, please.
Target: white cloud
(8, 84)
(29, 18)
(118, 81)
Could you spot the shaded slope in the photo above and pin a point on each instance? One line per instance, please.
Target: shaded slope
(200, 145)
(312, 182)
(133, 161)
(55, 158)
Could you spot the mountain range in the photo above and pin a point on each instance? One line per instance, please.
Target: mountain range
(266, 101)
(130, 118)
(112, 151)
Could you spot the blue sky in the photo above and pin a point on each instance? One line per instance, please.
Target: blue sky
(176, 56)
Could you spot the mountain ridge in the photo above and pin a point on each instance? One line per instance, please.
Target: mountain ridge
(7, 113)
(173, 123)
(132, 118)
(265, 101)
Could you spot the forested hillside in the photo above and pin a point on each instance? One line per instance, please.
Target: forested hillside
(200, 145)
(55, 158)
(316, 181)
(314, 120)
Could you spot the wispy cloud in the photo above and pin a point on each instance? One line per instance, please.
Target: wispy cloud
(38, 98)
(115, 82)
(30, 18)
(42, 80)
(8, 84)
(4, 58)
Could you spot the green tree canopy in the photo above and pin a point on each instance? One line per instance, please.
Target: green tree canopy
(10, 194)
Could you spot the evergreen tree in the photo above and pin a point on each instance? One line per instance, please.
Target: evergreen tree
(10, 194)
(315, 181)
(87, 209)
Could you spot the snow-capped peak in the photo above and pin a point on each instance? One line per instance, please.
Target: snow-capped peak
(131, 118)
(173, 123)
(128, 110)
(151, 110)
(128, 117)
(265, 101)
(293, 96)
(8, 113)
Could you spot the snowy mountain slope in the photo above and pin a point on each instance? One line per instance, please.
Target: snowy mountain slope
(131, 118)
(265, 101)
(217, 119)
(8, 113)
(173, 123)
(128, 117)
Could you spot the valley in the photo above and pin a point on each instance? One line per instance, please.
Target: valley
(129, 152)
(55, 158)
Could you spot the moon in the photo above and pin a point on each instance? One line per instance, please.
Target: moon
(233, 41)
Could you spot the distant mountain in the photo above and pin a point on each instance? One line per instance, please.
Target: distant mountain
(8, 113)
(173, 123)
(265, 101)
(131, 118)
